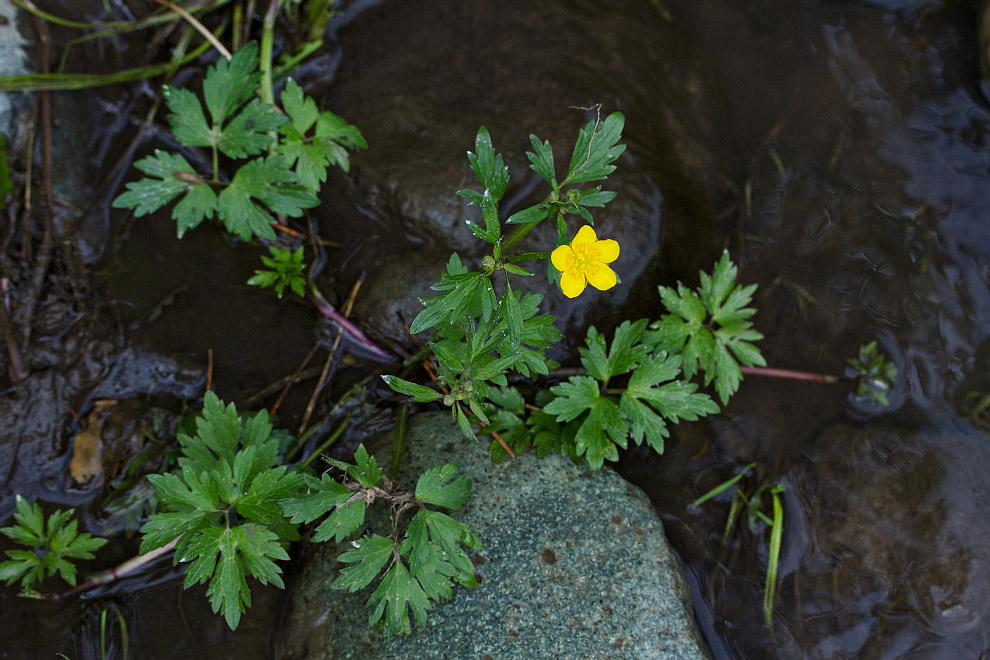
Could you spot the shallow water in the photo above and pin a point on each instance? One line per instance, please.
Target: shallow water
(873, 226)
(874, 229)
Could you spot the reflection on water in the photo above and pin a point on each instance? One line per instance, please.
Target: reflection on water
(875, 227)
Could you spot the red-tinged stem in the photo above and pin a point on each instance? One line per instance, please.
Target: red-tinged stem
(787, 373)
(112, 574)
(345, 325)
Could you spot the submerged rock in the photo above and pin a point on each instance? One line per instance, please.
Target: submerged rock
(519, 68)
(575, 565)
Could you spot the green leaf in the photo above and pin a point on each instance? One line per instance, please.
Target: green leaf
(426, 563)
(625, 354)
(489, 209)
(531, 214)
(449, 304)
(450, 535)
(490, 368)
(596, 148)
(54, 543)
(229, 84)
(441, 486)
(674, 400)
(419, 393)
(397, 594)
(259, 501)
(727, 373)
(247, 134)
(464, 423)
(572, 398)
(344, 521)
(716, 287)
(448, 358)
(367, 558)
(301, 109)
(311, 154)
(30, 527)
(250, 547)
(286, 270)
(366, 469)
(218, 432)
(603, 428)
(269, 181)
(19, 567)
(188, 123)
(713, 347)
(488, 166)
(595, 198)
(322, 496)
(168, 177)
(541, 160)
(513, 315)
(223, 507)
(199, 203)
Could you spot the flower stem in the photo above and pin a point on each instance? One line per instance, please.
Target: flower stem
(525, 256)
(267, 41)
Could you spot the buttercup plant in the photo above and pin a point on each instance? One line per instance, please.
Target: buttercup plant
(478, 338)
(233, 505)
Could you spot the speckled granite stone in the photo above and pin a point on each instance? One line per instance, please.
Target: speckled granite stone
(575, 566)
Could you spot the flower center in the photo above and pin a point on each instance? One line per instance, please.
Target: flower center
(586, 255)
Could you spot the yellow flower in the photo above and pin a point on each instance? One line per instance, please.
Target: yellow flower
(583, 262)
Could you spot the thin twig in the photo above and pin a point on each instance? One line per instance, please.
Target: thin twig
(292, 379)
(26, 209)
(209, 369)
(17, 367)
(277, 386)
(348, 305)
(319, 386)
(199, 27)
(112, 574)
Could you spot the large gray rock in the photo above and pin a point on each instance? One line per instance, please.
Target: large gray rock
(575, 565)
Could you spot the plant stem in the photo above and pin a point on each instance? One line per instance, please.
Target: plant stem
(64, 81)
(399, 444)
(519, 233)
(267, 41)
(326, 443)
(525, 256)
(773, 560)
(788, 373)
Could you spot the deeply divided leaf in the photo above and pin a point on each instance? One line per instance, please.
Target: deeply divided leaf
(441, 486)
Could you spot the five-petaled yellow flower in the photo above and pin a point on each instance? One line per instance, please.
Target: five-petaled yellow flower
(583, 262)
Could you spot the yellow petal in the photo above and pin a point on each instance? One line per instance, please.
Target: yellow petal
(572, 282)
(585, 236)
(563, 258)
(608, 250)
(600, 276)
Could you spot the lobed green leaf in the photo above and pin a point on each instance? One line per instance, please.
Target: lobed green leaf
(441, 486)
